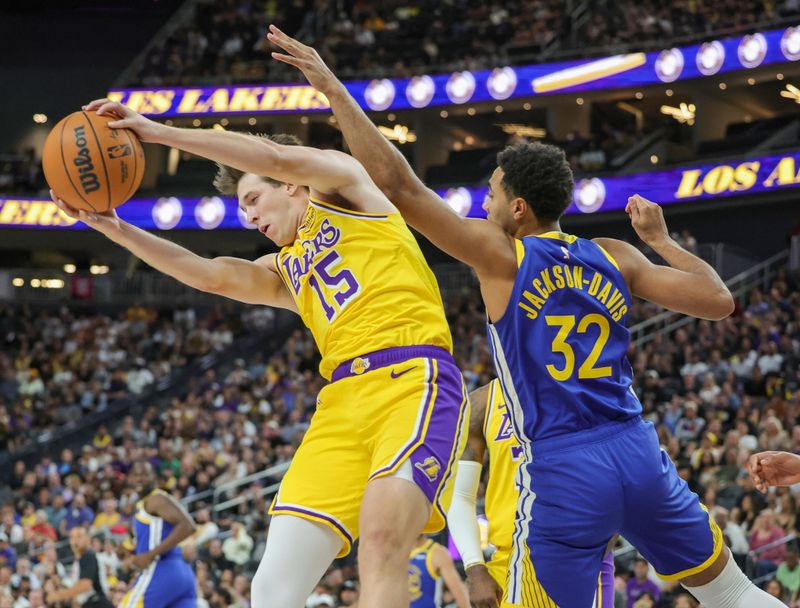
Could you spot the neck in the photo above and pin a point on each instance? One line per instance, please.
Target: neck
(534, 228)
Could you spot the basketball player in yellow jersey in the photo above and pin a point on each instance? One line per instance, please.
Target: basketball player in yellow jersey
(377, 460)
(491, 434)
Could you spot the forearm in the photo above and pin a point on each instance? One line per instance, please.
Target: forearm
(384, 163)
(165, 256)
(237, 150)
(462, 519)
(179, 533)
(680, 259)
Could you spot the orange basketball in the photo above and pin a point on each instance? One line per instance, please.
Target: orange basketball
(90, 166)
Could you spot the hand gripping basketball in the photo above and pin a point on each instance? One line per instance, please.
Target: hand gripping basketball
(146, 129)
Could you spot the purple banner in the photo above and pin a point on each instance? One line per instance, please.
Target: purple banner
(619, 71)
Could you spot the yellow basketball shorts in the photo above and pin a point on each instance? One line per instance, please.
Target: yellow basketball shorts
(381, 409)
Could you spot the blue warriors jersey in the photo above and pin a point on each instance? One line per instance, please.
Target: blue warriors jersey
(150, 531)
(424, 584)
(560, 347)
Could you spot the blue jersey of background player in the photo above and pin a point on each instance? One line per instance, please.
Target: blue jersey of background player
(160, 523)
(592, 467)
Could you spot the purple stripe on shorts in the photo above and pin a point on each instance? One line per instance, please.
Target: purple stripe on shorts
(432, 460)
(454, 453)
(410, 445)
(387, 356)
(316, 514)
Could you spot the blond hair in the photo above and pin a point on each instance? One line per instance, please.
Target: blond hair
(227, 179)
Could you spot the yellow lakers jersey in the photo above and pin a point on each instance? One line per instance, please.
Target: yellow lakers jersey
(361, 284)
(505, 455)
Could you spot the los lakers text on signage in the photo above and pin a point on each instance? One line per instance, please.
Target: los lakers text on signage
(756, 176)
(32, 213)
(222, 100)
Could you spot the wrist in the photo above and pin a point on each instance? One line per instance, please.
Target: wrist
(661, 241)
(475, 567)
(335, 92)
(162, 134)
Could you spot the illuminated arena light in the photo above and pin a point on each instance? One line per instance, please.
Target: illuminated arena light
(167, 212)
(379, 94)
(589, 195)
(420, 91)
(752, 50)
(669, 65)
(460, 87)
(502, 83)
(790, 43)
(710, 57)
(209, 212)
(460, 200)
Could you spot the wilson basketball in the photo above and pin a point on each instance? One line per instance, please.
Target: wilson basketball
(91, 166)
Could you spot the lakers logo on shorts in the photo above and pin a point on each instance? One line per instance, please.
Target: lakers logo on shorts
(359, 365)
(430, 467)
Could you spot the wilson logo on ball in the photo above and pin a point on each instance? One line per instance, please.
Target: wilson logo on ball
(83, 161)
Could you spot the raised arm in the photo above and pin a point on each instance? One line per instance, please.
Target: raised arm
(250, 282)
(324, 171)
(483, 245)
(688, 285)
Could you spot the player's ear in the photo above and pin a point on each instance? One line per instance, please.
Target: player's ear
(519, 207)
(291, 189)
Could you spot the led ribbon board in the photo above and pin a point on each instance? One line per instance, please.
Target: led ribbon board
(618, 71)
(706, 182)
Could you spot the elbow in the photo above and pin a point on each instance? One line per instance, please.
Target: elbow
(724, 306)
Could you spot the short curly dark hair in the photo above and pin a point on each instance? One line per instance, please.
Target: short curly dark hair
(227, 179)
(540, 174)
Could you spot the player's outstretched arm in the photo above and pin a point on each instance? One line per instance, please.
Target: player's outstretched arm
(325, 171)
(688, 285)
(475, 242)
(462, 517)
(768, 469)
(250, 282)
(171, 511)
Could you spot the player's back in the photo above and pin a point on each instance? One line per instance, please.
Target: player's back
(424, 583)
(361, 284)
(561, 346)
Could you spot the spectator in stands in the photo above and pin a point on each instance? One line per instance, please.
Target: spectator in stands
(788, 573)
(238, 546)
(78, 514)
(640, 584)
(108, 517)
(766, 537)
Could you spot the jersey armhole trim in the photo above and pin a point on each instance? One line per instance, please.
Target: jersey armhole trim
(346, 212)
(520, 251)
(609, 256)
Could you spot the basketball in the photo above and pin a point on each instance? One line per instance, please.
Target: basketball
(91, 166)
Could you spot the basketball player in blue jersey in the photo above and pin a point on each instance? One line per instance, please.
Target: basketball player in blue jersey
(429, 568)
(160, 524)
(491, 435)
(557, 307)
